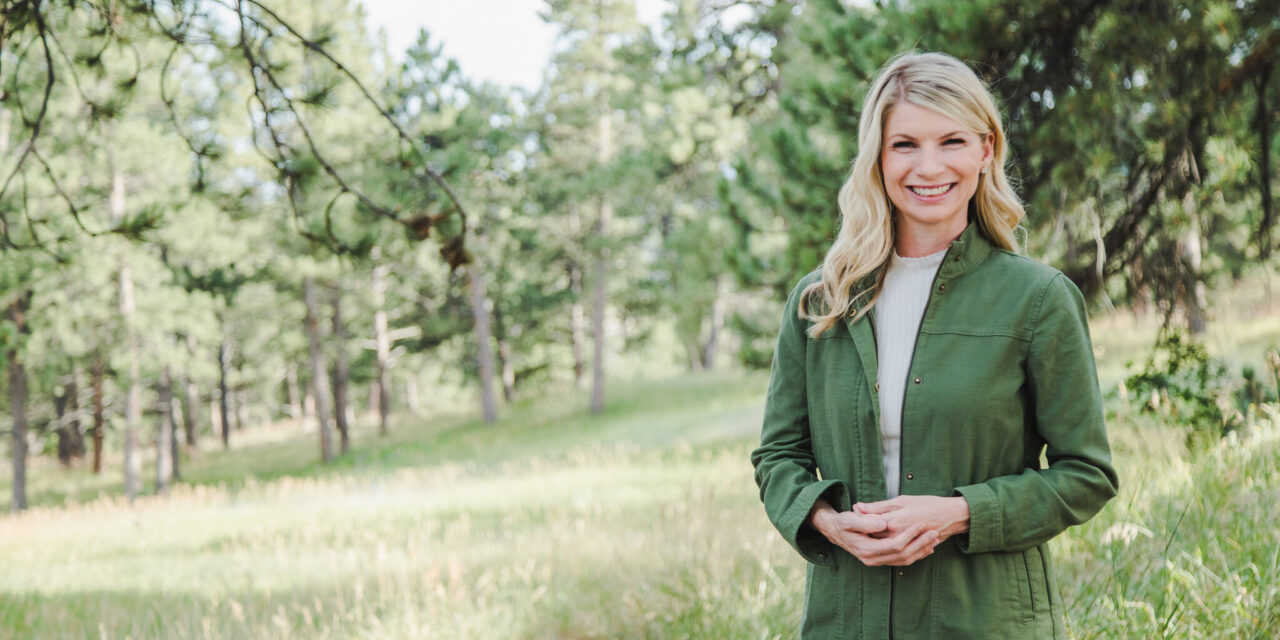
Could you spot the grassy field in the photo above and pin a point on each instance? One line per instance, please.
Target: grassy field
(640, 523)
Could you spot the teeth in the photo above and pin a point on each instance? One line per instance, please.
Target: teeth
(935, 191)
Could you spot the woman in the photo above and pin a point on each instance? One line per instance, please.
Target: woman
(918, 377)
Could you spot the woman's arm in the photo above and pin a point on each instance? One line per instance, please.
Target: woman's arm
(785, 468)
(1016, 512)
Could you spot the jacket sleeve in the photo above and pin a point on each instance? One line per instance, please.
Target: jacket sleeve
(785, 468)
(1017, 512)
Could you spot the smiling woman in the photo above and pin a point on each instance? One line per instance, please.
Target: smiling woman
(918, 377)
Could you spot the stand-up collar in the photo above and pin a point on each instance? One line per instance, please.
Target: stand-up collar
(965, 252)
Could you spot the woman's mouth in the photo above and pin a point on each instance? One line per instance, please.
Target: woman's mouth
(932, 192)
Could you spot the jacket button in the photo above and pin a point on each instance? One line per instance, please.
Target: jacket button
(822, 554)
(918, 381)
(877, 385)
(911, 476)
(942, 287)
(901, 573)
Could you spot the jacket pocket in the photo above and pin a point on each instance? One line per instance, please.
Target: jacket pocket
(1039, 579)
(1022, 578)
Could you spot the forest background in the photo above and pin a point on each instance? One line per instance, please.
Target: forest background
(247, 249)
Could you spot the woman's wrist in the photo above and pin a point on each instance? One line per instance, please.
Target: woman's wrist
(819, 515)
(958, 520)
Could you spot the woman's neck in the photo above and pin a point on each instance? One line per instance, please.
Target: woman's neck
(915, 242)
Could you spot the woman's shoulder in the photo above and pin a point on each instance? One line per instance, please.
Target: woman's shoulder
(1017, 269)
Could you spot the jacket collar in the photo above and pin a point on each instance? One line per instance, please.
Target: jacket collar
(965, 252)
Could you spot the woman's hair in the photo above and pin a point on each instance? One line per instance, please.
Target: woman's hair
(865, 241)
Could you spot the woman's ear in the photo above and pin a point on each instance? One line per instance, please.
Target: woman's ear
(988, 150)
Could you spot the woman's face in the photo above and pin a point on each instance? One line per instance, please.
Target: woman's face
(931, 165)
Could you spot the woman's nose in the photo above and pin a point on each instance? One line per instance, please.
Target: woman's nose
(930, 162)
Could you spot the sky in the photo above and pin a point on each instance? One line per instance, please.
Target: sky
(503, 41)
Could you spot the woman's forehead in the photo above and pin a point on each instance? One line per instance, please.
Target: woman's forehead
(908, 119)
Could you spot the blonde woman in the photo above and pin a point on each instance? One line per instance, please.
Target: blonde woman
(920, 374)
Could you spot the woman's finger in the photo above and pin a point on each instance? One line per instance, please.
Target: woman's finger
(883, 506)
(874, 551)
(860, 523)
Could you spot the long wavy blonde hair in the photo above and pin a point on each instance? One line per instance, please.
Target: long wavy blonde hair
(865, 241)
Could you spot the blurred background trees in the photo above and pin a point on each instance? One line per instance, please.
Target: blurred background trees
(220, 215)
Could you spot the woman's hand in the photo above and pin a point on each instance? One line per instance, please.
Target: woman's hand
(869, 538)
(946, 516)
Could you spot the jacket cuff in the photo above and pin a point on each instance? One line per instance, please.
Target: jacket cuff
(986, 520)
(811, 544)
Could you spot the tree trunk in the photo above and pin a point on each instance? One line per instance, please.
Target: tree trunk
(191, 413)
(175, 442)
(382, 345)
(577, 323)
(133, 397)
(60, 428)
(18, 403)
(99, 419)
(295, 396)
(601, 275)
(717, 325)
(484, 340)
(191, 401)
(1263, 123)
(241, 396)
(340, 373)
(319, 381)
(164, 431)
(507, 361)
(1193, 292)
(224, 363)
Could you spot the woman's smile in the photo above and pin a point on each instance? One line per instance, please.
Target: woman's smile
(933, 193)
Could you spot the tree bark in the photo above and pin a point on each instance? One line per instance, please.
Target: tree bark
(99, 419)
(717, 326)
(341, 375)
(291, 388)
(224, 363)
(67, 409)
(484, 340)
(1193, 290)
(1263, 124)
(133, 397)
(191, 402)
(191, 413)
(577, 323)
(18, 404)
(319, 381)
(241, 396)
(164, 431)
(601, 275)
(382, 345)
(175, 441)
(507, 363)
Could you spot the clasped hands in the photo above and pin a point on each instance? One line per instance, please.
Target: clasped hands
(895, 532)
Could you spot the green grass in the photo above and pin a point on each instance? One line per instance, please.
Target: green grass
(640, 523)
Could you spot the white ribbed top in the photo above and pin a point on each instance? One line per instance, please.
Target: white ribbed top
(898, 313)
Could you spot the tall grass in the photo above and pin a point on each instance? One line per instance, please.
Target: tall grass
(641, 523)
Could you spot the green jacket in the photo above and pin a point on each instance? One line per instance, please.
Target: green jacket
(1003, 369)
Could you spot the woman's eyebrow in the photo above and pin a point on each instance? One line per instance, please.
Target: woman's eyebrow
(952, 134)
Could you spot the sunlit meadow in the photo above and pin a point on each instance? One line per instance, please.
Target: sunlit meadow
(641, 523)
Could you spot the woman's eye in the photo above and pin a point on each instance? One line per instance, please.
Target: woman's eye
(902, 144)
(954, 141)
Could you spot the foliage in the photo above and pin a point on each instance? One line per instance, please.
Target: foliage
(1183, 385)
(1134, 132)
